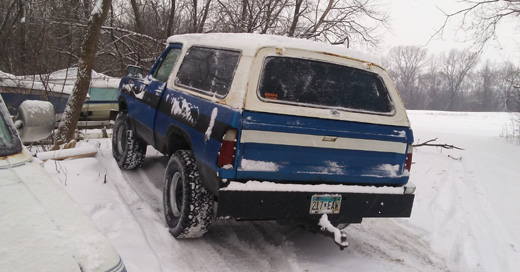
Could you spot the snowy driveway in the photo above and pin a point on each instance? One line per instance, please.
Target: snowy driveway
(463, 218)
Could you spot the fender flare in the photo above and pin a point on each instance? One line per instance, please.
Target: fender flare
(176, 139)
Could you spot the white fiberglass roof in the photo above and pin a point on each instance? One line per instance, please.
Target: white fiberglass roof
(249, 44)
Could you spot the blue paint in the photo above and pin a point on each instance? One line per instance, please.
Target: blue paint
(317, 126)
(315, 164)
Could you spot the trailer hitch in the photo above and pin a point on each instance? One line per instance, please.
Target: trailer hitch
(339, 236)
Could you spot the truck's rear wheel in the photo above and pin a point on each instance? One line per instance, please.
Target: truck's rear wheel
(188, 206)
(127, 148)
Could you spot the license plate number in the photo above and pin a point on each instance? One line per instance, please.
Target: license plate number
(321, 204)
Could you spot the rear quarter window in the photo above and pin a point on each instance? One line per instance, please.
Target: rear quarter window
(322, 84)
(208, 70)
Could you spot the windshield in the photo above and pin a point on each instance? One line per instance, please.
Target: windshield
(9, 141)
(325, 85)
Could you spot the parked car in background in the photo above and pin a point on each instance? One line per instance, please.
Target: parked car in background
(56, 88)
(42, 228)
(101, 103)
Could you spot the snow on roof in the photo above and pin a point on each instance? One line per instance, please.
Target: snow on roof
(249, 44)
(58, 81)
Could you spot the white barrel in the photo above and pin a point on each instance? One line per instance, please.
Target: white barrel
(35, 120)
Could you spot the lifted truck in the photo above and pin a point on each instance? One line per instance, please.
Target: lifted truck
(268, 128)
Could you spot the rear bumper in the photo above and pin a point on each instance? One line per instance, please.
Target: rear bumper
(291, 203)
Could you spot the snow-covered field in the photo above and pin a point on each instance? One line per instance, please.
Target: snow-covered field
(465, 216)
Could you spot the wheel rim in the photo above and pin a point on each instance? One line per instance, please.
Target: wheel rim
(121, 143)
(176, 194)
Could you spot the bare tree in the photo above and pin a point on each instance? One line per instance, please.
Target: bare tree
(481, 18)
(88, 50)
(406, 65)
(249, 16)
(455, 66)
(430, 84)
(338, 21)
(297, 13)
(199, 10)
(137, 16)
(508, 84)
(486, 91)
(171, 17)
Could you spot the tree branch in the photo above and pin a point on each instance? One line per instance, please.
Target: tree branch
(430, 143)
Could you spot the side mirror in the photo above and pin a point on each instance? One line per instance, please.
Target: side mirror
(134, 71)
(35, 120)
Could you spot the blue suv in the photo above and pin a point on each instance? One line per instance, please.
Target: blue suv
(270, 128)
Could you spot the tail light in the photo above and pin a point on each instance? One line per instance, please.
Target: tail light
(408, 164)
(228, 147)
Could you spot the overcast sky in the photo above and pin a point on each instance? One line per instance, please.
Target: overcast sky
(415, 21)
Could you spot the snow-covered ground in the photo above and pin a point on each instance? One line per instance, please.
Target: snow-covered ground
(465, 216)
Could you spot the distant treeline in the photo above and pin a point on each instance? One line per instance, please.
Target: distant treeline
(453, 81)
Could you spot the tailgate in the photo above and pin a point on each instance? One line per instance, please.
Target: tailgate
(288, 148)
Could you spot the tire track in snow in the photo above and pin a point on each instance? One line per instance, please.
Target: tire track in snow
(171, 254)
(237, 244)
(391, 240)
(253, 246)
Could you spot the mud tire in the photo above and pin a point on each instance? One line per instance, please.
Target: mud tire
(188, 206)
(127, 148)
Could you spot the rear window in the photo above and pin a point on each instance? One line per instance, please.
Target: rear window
(208, 70)
(321, 84)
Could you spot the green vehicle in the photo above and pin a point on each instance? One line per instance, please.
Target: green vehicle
(101, 102)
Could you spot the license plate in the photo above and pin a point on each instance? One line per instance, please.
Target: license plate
(321, 204)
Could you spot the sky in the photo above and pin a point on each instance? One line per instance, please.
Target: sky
(414, 22)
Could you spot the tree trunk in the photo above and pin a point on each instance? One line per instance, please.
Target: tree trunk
(138, 23)
(23, 50)
(171, 17)
(243, 25)
(296, 17)
(200, 27)
(72, 112)
(312, 30)
(194, 17)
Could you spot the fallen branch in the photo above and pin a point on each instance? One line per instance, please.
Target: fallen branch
(430, 143)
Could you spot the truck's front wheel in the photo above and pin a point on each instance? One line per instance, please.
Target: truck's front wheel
(127, 148)
(188, 206)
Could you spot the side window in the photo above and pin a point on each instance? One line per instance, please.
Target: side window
(208, 70)
(167, 62)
